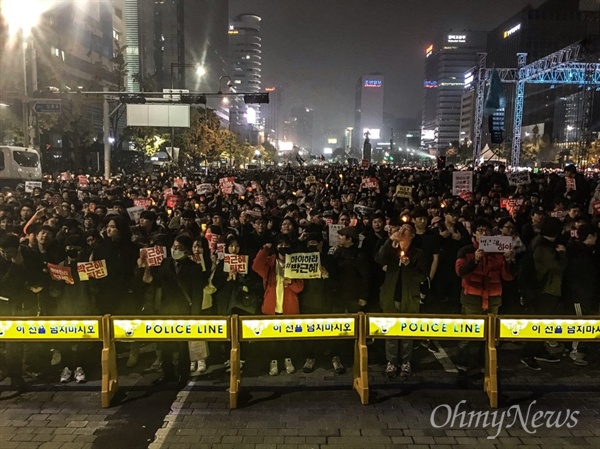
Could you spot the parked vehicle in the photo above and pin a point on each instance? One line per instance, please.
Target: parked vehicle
(19, 164)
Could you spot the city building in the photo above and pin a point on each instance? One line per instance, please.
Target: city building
(299, 128)
(245, 69)
(368, 111)
(539, 32)
(181, 44)
(271, 114)
(447, 59)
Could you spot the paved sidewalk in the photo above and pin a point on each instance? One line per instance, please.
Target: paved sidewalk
(316, 410)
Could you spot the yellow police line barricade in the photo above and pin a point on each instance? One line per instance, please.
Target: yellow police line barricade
(153, 328)
(435, 327)
(52, 328)
(299, 327)
(546, 328)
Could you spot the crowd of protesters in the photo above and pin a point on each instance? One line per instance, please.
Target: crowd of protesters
(399, 251)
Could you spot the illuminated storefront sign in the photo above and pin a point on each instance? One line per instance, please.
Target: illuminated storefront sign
(49, 329)
(430, 84)
(428, 51)
(454, 38)
(170, 329)
(373, 83)
(269, 89)
(298, 328)
(549, 329)
(374, 133)
(512, 30)
(332, 140)
(427, 327)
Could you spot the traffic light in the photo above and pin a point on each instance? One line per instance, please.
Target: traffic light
(133, 99)
(193, 99)
(256, 98)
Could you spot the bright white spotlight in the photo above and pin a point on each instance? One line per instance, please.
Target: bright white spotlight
(200, 71)
(20, 16)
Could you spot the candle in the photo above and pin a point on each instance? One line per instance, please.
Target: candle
(402, 254)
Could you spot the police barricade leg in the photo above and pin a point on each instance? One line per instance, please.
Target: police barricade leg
(110, 375)
(234, 360)
(490, 384)
(361, 361)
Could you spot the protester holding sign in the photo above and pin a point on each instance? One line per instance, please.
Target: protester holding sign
(281, 294)
(74, 298)
(482, 274)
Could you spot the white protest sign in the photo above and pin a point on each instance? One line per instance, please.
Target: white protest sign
(518, 178)
(235, 263)
(30, 185)
(462, 181)
(204, 188)
(302, 266)
(135, 212)
(310, 180)
(333, 234)
(495, 244)
(369, 183)
(154, 255)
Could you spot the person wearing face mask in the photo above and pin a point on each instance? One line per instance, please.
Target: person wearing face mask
(182, 283)
(281, 293)
(73, 299)
(316, 299)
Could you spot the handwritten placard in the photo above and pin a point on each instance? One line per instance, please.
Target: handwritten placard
(495, 244)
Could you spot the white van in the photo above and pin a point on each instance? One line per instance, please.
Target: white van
(19, 164)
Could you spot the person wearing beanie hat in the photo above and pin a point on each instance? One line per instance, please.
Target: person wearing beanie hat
(580, 284)
(549, 263)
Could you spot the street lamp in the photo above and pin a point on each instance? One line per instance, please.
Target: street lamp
(20, 20)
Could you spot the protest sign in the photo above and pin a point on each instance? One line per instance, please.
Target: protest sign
(239, 189)
(135, 212)
(220, 250)
(261, 200)
(253, 213)
(462, 181)
(226, 185)
(30, 185)
(302, 266)
(255, 186)
(571, 184)
(204, 188)
(596, 207)
(310, 180)
(96, 269)
(495, 244)
(512, 205)
(560, 214)
(362, 210)
(60, 273)
(142, 202)
(213, 240)
(369, 183)
(153, 255)
(518, 178)
(404, 191)
(167, 192)
(66, 176)
(179, 182)
(333, 234)
(364, 163)
(235, 263)
(82, 180)
(173, 201)
(467, 196)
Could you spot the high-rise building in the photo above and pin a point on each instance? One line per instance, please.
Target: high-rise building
(446, 61)
(299, 128)
(245, 68)
(539, 32)
(271, 113)
(368, 112)
(179, 44)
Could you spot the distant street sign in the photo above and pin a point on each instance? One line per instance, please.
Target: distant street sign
(46, 108)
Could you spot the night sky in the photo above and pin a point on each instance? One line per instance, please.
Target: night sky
(317, 49)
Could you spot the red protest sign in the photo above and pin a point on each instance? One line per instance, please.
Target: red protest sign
(226, 185)
(83, 181)
(60, 273)
(235, 263)
(96, 269)
(144, 202)
(467, 196)
(173, 201)
(369, 183)
(154, 255)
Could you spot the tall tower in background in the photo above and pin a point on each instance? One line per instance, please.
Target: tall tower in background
(368, 111)
(245, 70)
(271, 114)
(178, 43)
(446, 61)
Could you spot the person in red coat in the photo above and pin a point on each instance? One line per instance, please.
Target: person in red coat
(482, 274)
(281, 293)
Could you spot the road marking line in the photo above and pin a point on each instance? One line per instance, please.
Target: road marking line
(444, 359)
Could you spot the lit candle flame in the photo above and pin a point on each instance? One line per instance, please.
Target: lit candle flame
(402, 253)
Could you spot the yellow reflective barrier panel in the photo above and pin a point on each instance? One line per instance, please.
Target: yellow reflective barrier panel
(551, 328)
(425, 326)
(171, 329)
(53, 328)
(298, 327)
